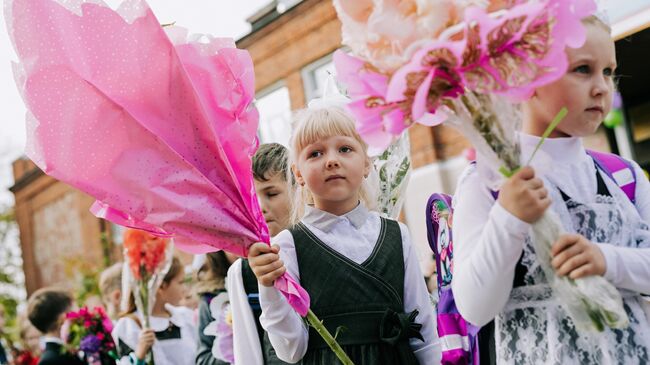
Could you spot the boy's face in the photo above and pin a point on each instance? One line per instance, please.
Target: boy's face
(273, 196)
(586, 90)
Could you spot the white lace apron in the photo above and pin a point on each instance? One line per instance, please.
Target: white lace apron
(535, 329)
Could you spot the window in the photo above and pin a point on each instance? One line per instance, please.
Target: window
(274, 106)
(315, 77)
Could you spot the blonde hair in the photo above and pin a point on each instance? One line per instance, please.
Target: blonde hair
(110, 279)
(315, 124)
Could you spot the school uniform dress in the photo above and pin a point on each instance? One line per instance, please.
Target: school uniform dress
(363, 277)
(497, 275)
(176, 337)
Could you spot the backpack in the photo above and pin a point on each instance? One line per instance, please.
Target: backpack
(459, 338)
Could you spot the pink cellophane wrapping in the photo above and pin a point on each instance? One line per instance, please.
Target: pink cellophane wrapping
(158, 127)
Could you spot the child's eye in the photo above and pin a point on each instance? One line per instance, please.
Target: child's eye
(270, 195)
(608, 72)
(584, 69)
(314, 154)
(345, 149)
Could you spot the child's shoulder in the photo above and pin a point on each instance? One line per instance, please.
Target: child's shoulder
(180, 313)
(127, 327)
(236, 268)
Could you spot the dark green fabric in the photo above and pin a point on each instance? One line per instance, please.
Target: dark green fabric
(355, 298)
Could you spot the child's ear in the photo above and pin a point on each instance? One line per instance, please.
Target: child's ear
(116, 296)
(297, 175)
(62, 317)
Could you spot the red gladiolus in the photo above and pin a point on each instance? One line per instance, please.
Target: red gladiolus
(145, 252)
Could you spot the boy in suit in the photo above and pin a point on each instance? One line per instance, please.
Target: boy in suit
(46, 310)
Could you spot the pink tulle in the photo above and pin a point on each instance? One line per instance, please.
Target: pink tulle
(161, 133)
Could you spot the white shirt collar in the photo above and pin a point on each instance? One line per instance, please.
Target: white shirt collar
(563, 150)
(162, 323)
(50, 339)
(325, 221)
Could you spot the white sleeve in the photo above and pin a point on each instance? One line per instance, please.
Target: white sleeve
(416, 296)
(642, 192)
(488, 242)
(287, 331)
(246, 343)
(129, 332)
(628, 267)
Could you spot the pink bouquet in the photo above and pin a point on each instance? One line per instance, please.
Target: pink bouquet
(89, 331)
(157, 125)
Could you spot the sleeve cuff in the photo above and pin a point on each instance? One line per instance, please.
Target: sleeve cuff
(611, 265)
(506, 219)
(269, 294)
(430, 354)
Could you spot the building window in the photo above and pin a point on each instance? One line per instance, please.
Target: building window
(274, 106)
(315, 76)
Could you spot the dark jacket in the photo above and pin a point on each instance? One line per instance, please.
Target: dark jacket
(53, 355)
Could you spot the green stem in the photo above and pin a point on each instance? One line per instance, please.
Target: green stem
(551, 127)
(328, 338)
(144, 295)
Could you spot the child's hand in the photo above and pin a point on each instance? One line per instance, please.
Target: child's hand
(577, 257)
(524, 196)
(265, 262)
(145, 342)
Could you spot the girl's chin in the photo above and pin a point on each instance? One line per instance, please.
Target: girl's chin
(586, 130)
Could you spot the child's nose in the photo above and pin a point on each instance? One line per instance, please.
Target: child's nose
(331, 163)
(601, 86)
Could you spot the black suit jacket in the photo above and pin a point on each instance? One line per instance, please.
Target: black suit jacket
(53, 356)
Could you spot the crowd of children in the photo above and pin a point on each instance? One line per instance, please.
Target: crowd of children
(361, 269)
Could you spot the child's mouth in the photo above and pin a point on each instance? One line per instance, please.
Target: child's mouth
(334, 177)
(595, 109)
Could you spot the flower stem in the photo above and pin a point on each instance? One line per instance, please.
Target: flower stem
(328, 338)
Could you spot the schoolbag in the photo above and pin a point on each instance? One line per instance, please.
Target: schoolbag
(459, 339)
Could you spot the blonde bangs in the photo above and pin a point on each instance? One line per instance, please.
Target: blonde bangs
(313, 125)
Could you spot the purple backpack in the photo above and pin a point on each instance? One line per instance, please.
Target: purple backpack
(459, 338)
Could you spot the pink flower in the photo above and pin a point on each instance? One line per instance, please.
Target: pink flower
(367, 88)
(387, 32)
(511, 54)
(422, 84)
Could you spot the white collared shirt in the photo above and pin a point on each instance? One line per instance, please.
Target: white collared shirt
(286, 329)
(50, 339)
(180, 351)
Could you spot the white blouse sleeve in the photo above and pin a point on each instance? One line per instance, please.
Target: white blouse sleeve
(287, 331)
(416, 296)
(629, 268)
(128, 332)
(488, 242)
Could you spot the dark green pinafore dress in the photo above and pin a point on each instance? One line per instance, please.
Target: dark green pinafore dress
(365, 302)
